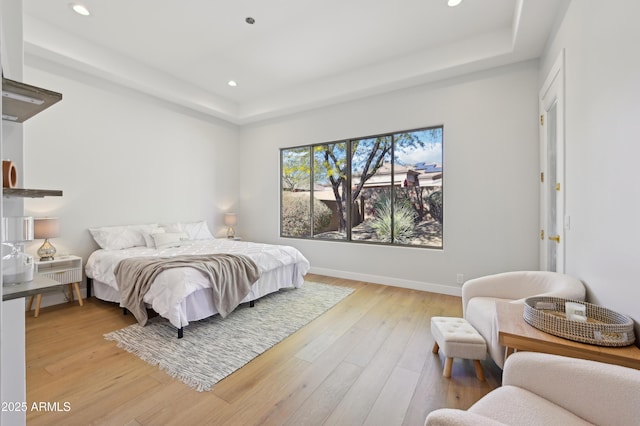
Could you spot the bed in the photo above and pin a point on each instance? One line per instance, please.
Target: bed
(185, 294)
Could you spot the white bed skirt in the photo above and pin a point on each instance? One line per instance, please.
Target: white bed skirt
(199, 304)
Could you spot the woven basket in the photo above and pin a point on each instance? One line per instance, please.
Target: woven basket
(603, 327)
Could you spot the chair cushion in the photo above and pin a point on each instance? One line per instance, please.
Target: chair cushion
(515, 406)
(481, 314)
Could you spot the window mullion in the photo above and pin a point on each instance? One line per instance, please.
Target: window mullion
(311, 192)
(393, 188)
(349, 218)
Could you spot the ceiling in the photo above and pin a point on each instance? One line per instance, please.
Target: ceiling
(298, 55)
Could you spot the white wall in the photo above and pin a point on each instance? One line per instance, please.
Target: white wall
(12, 332)
(123, 158)
(602, 151)
(490, 180)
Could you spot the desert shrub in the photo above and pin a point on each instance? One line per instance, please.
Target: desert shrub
(403, 220)
(321, 216)
(295, 216)
(435, 205)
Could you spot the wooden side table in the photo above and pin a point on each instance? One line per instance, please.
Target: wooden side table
(65, 270)
(514, 333)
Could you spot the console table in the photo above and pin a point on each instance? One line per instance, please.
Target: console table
(514, 333)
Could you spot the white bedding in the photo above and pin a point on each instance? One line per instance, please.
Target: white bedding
(177, 293)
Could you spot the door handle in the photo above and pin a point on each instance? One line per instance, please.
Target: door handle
(555, 238)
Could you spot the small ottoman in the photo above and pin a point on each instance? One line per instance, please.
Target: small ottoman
(458, 339)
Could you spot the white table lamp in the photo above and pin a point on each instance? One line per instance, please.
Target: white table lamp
(230, 220)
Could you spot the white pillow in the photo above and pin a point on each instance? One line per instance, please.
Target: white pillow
(172, 227)
(195, 230)
(121, 237)
(148, 237)
(164, 240)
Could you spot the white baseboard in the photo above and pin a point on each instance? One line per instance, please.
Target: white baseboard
(395, 282)
(58, 297)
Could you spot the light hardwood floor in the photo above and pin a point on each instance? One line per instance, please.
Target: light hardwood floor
(366, 361)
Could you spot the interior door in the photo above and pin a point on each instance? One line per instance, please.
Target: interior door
(552, 188)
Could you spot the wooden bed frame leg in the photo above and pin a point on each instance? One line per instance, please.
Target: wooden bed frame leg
(252, 303)
(180, 334)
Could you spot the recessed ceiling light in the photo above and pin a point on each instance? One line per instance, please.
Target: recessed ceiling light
(232, 83)
(80, 9)
(454, 3)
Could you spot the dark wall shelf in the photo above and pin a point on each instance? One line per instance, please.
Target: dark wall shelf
(31, 193)
(37, 286)
(22, 101)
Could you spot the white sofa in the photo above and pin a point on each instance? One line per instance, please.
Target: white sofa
(542, 389)
(479, 297)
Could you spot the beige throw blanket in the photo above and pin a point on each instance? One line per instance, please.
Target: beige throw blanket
(231, 278)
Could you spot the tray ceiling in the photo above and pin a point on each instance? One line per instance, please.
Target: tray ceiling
(298, 55)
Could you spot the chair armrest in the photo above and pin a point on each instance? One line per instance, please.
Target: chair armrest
(516, 285)
(595, 391)
(453, 417)
(501, 286)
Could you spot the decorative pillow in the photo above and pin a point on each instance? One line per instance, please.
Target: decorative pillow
(121, 237)
(164, 240)
(148, 237)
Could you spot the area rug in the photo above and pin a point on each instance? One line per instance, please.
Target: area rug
(213, 348)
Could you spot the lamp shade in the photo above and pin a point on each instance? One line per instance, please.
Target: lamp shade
(230, 219)
(46, 228)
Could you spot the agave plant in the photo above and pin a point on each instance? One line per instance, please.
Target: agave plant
(402, 223)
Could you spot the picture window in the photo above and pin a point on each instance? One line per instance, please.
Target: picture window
(383, 189)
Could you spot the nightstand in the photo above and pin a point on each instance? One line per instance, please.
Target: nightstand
(64, 270)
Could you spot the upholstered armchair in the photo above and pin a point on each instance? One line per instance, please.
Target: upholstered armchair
(543, 389)
(479, 296)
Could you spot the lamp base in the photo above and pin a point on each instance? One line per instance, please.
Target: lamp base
(46, 251)
(230, 232)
